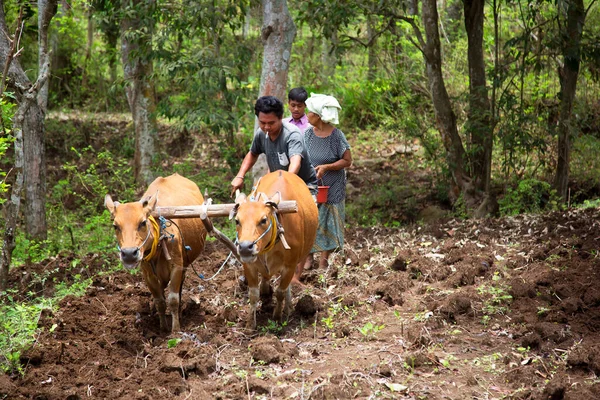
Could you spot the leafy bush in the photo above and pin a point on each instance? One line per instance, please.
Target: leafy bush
(530, 195)
(585, 166)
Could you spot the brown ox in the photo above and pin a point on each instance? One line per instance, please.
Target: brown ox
(258, 245)
(138, 235)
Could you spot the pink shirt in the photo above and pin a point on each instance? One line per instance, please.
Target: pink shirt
(302, 124)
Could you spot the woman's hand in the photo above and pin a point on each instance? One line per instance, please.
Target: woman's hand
(320, 170)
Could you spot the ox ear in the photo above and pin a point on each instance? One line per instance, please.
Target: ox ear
(110, 205)
(274, 200)
(149, 203)
(233, 211)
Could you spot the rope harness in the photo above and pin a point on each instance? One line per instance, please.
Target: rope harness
(153, 226)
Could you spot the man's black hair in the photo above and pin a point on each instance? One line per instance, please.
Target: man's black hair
(267, 105)
(298, 94)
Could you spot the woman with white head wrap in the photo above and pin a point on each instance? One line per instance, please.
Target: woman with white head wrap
(329, 152)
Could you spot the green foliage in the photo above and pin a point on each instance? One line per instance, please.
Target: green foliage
(584, 167)
(7, 108)
(496, 297)
(370, 330)
(273, 327)
(530, 196)
(337, 311)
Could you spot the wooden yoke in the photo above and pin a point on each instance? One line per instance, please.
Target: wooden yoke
(210, 228)
(214, 210)
(207, 210)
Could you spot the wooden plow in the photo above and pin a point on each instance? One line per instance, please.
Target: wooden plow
(208, 210)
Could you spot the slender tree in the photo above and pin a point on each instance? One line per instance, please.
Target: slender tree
(28, 133)
(137, 25)
(445, 116)
(479, 123)
(46, 11)
(568, 73)
(278, 33)
(29, 119)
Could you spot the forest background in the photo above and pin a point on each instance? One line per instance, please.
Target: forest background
(501, 99)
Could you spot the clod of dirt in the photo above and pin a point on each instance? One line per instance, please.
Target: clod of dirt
(201, 365)
(532, 341)
(455, 304)
(349, 301)
(391, 291)
(585, 357)
(467, 274)
(399, 264)
(258, 386)
(267, 349)
(552, 332)
(591, 298)
(306, 306)
(571, 305)
(385, 370)
(519, 288)
(554, 390)
(32, 356)
(417, 359)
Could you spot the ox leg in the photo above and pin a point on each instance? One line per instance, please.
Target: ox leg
(266, 291)
(174, 299)
(159, 302)
(251, 274)
(283, 292)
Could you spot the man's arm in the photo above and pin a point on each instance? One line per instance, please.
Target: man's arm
(247, 164)
(295, 163)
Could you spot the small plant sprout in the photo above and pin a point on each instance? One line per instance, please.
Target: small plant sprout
(541, 311)
(369, 330)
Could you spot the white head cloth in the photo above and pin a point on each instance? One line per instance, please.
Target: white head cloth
(324, 106)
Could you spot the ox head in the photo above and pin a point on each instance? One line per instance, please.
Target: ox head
(132, 227)
(255, 224)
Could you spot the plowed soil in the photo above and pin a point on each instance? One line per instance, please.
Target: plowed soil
(487, 309)
(479, 309)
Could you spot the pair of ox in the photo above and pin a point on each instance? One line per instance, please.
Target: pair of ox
(163, 261)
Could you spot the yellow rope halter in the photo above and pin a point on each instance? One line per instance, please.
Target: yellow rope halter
(156, 229)
(273, 239)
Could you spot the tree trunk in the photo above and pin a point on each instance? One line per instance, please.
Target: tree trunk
(137, 68)
(31, 122)
(446, 119)
(112, 37)
(328, 56)
(11, 210)
(46, 11)
(88, 47)
(479, 123)
(372, 55)
(278, 32)
(568, 74)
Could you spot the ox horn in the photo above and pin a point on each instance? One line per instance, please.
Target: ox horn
(239, 199)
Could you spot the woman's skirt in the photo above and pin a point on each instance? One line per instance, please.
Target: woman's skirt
(330, 233)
